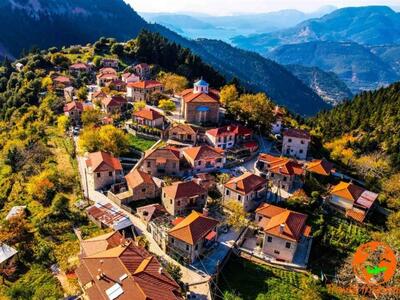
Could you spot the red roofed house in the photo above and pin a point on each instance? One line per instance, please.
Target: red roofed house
(138, 185)
(79, 68)
(248, 189)
(149, 212)
(109, 63)
(283, 231)
(106, 76)
(73, 110)
(112, 267)
(200, 105)
(142, 90)
(183, 197)
(161, 162)
(352, 200)
(320, 167)
(61, 82)
(113, 104)
(295, 143)
(129, 77)
(102, 170)
(183, 133)
(228, 136)
(142, 70)
(149, 117)
(283, 172)
(204, 158)
(191, 237)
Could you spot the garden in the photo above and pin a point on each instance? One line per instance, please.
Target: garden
(140, 143)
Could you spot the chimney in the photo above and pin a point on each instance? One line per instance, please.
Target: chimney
(229, 128)
(160, 270)
(281, 228)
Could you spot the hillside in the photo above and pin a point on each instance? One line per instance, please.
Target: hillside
(356, 65)
(373, 117)
(390, 54)
(326, 84)
(260, 74)
(370, 25)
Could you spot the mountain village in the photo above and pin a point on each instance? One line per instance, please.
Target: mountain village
(206, 188)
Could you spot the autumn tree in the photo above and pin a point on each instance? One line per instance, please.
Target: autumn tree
(91, 117)
(113, 140)
(139, 105)
(223, 178)
(237, 216)
(89, 140)
(43, 186)
(167, 105)
(228, 95)
(172, 82)
(63, 124)
(82, 93)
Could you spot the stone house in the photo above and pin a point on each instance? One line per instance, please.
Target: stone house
(204, 158)
(106, 76)
(142, 70)
(191, 237)
(248, 189)
(102, 170)
(161, 162)
(283, 230)
(180, 198)
(183, 133)
(73, 110)
(284, 173)
(295, 143)
(149, 117)
(142, 90)
(114, 104)
(79, 68)
(109, 63)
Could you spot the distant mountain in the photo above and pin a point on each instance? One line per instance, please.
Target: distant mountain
(370, 25)
(326, 84)
(46, 23)
(356, 65)
(261, 74)
(194, 25)
(390, 54)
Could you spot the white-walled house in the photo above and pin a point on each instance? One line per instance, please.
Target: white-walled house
(295, 143)
(283, 230)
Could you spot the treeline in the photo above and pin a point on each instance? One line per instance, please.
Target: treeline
(372, 117)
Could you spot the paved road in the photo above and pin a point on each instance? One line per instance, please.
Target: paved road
(265, 146)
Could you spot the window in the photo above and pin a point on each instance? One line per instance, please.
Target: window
(178, 203)
(189, 136)
(288, 245)
(227, 192)
(272, 175)
(284, 178)
(259, 218)
(302, 142)
(197, 247)
(98, 175)
(199, 163)
(149, 164)
(187, 247)
(165, 195)
(170, 201)
(110, 174)
(289, 140)
(172, 240)
(239, 198)
(301, 151)
(276, 252)
(269, 239)
(143, 190)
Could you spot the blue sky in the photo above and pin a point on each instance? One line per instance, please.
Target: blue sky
(228, 7)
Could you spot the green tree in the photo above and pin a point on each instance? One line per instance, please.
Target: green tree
(63, 124)
(82, 93)
(117, 49)
(113, 140)
(91, 117)
(175, 271)
(167, 105)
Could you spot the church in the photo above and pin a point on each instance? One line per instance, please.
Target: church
(200, 105)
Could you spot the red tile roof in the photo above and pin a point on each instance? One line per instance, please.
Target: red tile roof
(321, 167)
(102, 161)
(151, 211)
(356, 215)
(148, 114)
(193, 228)
(73, 105)
(183, 189)
(282, 223)
(204, 152)
(182, 129)
(62, 80)
(230, 129)
(297, 133)
(108, 71)
(281, 165)
(113, 101)
(138, 274)
(79, 66)
(137, 177)
(246, 183)
(146, 84)
(347, 190)
(162, 153)
(189, 96)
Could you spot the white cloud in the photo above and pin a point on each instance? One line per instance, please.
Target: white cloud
(226, 7)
